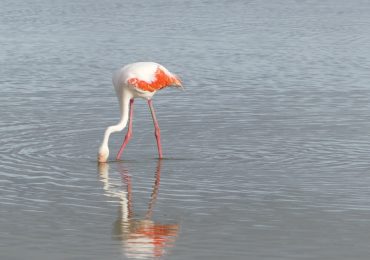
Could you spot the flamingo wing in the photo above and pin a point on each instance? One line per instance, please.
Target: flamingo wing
(161, 78)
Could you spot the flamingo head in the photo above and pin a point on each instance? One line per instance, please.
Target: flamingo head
(103, 154)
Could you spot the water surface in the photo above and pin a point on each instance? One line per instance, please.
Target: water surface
(267, 150)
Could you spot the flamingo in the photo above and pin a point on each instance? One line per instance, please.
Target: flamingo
(140, 79)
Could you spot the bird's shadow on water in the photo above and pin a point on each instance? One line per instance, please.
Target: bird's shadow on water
(140, 237)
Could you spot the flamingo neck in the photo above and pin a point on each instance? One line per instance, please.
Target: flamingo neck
(104, 144)
(124, 102)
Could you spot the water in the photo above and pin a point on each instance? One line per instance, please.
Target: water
(267, 151)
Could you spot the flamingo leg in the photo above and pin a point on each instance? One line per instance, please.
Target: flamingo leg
(157, 130)
(129, 131)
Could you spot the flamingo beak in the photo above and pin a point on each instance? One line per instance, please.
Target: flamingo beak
(102, 158)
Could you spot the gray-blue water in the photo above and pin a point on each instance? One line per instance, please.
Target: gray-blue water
(267, 151)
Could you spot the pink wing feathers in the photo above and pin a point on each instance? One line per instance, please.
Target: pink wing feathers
(161, 80)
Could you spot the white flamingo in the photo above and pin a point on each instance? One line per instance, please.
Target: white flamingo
(141, 79)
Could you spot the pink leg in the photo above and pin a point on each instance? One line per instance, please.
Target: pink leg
(129, 131)
(157, 130)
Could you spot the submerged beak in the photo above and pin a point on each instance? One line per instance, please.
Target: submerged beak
(102, 158)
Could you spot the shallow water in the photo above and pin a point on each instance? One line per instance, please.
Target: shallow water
(267, 150)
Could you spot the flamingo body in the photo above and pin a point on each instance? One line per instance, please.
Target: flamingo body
(141, 79)
(144, 79)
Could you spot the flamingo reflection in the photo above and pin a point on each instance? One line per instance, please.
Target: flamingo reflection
(141, 238)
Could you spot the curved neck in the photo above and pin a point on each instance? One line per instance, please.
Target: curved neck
(124, 102)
